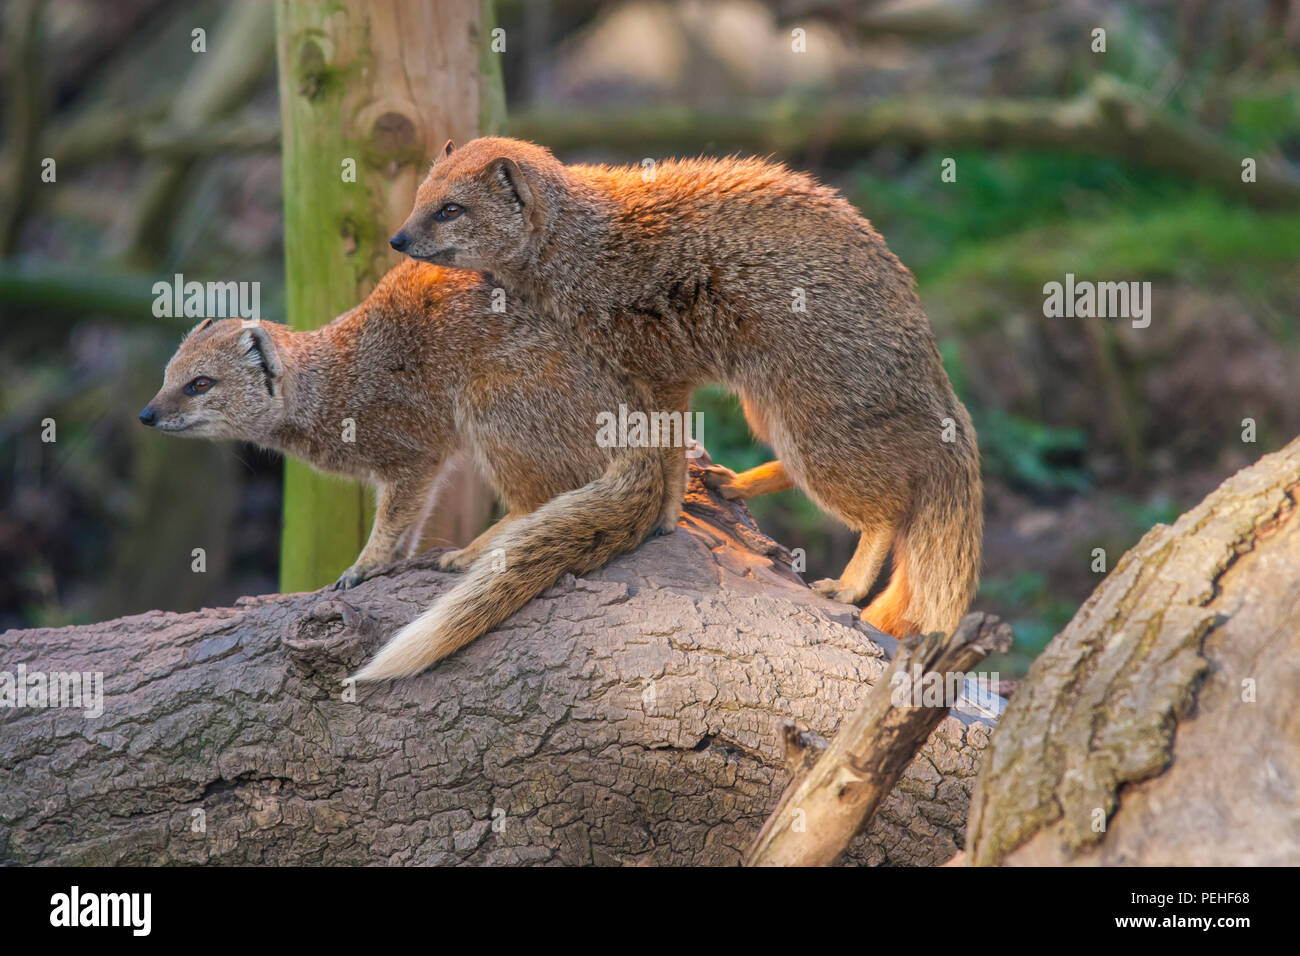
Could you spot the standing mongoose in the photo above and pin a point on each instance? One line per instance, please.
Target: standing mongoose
(744, 272)
(387, 392)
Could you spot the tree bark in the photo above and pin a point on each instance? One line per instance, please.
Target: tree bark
(1159, 728)
(630, 716)
(379, 84)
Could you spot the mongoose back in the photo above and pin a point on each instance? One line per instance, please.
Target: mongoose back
(744, 272)
(420, 371)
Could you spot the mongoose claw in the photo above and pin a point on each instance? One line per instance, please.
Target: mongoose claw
(721, 479)
(349, 579)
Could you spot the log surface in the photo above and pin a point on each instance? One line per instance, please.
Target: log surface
(629, 717)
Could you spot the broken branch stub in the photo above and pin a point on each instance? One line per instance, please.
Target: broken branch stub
(833, 794)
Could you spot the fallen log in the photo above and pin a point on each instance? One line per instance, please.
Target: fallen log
(1159, 728)
(631, 716)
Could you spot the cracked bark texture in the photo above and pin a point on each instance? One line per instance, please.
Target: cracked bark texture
(628, 717)
(1166, 707)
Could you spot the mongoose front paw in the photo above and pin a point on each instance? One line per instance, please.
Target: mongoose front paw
(722, 480)
(456, 560)
(832, 588)
(349, 578)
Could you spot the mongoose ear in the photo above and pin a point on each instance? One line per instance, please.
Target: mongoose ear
(513, 180)
(448, 149)
(198, 328)
(257, 345)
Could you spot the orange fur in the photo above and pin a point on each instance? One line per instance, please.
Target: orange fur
(889, 611)
(743, 272)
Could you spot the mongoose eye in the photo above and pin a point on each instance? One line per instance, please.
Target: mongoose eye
(198, 385)
(449, 211)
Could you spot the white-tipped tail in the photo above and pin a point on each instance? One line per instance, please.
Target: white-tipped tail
(575, 532)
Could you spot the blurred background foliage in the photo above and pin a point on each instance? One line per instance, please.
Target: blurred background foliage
(1114, 166)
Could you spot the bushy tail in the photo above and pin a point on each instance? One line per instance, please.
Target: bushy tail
(575, 532)
(936, 553)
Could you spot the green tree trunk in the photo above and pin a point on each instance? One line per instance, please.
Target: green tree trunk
(369, 90)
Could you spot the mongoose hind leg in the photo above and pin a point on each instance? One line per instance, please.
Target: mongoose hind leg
(763, 480)
(460, 560)
(862, 570)
(889, 611)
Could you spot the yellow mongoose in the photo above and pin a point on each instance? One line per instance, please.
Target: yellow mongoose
(389, 390)
(744, 272)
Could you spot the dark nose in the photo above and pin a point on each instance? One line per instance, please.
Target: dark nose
(149, 416)
(400, 241)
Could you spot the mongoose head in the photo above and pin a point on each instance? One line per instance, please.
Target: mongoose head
(225, 381)
(481, 206)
